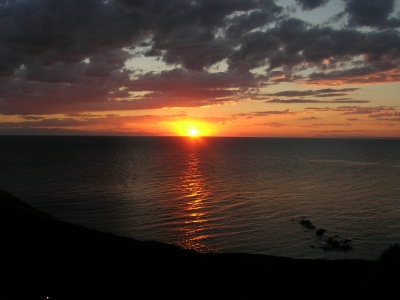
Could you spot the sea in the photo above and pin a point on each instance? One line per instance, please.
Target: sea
(215, 194)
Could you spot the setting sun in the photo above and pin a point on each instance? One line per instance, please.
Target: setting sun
(193, 132)
(192, 128)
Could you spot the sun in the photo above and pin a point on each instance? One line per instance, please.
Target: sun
(193, 132)
(191, 128)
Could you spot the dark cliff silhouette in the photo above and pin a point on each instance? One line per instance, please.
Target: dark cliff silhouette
(44, 257)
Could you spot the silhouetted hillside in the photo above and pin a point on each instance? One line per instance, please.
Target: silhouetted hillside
(43, 257)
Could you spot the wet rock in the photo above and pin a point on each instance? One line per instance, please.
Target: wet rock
(333, 243)
(307, 224)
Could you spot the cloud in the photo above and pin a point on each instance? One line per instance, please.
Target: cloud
(184, 31)
(79, 121)
(78, 56)
(374, 13)
(175, 88)
(357, 110)
(301, 100)
(49, 31)
(318, 109)
(331, 124)
(317, 93)
(310, 118)
(192, 34)
(75, 132)
(339, 133)
(385, 113)
(295, 45)
(311, 4)
(272, 124)
(113, 122)
(245, 22)
(386, 124)
(266, 113)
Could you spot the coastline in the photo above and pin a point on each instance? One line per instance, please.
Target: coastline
(44, 257)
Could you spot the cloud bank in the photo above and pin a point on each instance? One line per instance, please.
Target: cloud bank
(78, 56)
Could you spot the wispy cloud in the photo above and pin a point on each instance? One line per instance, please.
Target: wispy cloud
(271, 124)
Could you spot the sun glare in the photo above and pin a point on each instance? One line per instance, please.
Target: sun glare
(192, 128)
(193, 132)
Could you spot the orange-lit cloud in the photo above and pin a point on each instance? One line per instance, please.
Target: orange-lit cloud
(116, 65)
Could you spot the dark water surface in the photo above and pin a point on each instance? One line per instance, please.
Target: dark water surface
(216, 194)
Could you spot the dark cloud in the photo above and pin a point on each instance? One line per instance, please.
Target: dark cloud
(76, 132)
(175, 88)
(358, 110)
(185, 31)
(255, 48)
(375, 13)
(310, 118)
(343, 99)
(266, 113)
(317, 93)
(311, 4)
(113, 122)
(390, 119)
(69, 57)
(386, 124)
(181, 79)
(294, 42)
(318, 108)
(49, 31)
(331, 124)
(295, 45)
(272, 124)
(245, 22)
(301, 100)
(385, 115)
(328, 95)
(339, 133)
(193, 34)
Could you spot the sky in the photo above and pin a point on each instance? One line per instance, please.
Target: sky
(257, 68)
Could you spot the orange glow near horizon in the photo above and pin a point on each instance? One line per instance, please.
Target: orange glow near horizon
(192, 128)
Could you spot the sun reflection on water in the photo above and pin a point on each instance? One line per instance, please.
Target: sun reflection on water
(195, 206)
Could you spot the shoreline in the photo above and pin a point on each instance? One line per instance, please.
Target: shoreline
(44, 257)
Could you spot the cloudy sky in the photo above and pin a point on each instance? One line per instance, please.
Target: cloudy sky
(285, 68)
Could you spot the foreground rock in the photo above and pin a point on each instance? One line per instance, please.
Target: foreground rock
(331, 243)
(43, 257)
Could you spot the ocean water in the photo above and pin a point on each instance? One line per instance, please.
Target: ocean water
(216, 194)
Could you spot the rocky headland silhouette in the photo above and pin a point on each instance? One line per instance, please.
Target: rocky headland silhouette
(45, 258)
